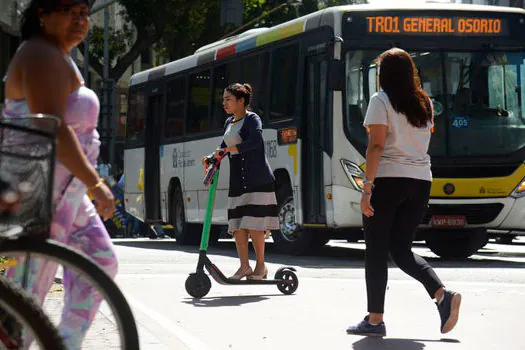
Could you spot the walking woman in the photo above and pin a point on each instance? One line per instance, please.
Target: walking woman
(396, 190)
(252, 205)
(43, 78)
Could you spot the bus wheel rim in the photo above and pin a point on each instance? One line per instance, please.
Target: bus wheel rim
(287, 221)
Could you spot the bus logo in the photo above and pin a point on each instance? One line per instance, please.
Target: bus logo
(449, 188)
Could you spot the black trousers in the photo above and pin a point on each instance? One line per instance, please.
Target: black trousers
(399, 205)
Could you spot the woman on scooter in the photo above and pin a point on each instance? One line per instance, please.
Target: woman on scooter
(252, 205)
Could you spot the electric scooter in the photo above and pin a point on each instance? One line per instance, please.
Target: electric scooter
(198, 284)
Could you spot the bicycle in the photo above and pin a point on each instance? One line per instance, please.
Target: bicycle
(27, 155)
(19, 311)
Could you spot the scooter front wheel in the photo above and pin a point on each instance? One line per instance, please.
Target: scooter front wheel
(198, 285)
(288, 281)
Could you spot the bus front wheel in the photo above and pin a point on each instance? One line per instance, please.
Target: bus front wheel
(290, 238)
(456, 244)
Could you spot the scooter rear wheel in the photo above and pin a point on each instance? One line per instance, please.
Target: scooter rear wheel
(198, 285)
(289, 283)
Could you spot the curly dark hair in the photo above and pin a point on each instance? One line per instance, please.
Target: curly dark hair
(398, 77)
(241, 91)
(30, 22)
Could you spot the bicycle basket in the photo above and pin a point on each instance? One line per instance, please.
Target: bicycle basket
(27, 160)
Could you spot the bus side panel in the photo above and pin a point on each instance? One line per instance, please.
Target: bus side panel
(171, 169)
(288, 158)
(134, 182)
(195, 192)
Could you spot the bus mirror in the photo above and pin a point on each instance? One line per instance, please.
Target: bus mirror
(336, 77)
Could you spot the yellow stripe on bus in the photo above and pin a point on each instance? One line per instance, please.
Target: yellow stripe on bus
(485, 187)
(478, 187)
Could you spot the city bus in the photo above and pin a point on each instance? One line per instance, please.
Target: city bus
(313, 78)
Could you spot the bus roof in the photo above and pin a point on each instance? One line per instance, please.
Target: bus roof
(261, 36)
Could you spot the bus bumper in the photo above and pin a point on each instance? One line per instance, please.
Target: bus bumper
(515, 220)
(489, 213)
(347, 211)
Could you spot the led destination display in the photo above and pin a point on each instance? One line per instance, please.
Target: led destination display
(427, 25)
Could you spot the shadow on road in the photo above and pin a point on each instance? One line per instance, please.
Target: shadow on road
(333, 257)
(373, 343)
(235, 300)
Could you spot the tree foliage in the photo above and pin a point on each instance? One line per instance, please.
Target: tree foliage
(176, 28)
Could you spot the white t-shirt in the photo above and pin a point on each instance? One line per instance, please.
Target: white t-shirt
(405, 153)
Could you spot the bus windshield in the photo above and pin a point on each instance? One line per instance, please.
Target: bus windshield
(478, 99)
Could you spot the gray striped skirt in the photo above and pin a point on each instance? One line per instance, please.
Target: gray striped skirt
(254, 209)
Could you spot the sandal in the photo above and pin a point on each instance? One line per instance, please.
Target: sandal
(241, 273)
(255, 276)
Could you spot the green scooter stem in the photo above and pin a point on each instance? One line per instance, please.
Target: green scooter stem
(205, 237)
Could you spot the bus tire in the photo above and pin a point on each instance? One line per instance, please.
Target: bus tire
(319, 240)
(456, 244)
(290, 238)
(184, 233)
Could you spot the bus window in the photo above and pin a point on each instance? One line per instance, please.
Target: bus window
(198, 102)
(359, 65)
(223, 76)
(175, 117)
(430, 72)
(136, 117)
(284, 82)
(254, 71)
(486, 114)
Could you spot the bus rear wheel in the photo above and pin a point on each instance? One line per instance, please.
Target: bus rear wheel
(456, 244)
(182, 231)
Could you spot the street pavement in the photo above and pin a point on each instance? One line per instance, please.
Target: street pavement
(330, 297)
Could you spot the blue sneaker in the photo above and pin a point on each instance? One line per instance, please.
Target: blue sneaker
(367, 329)
(449, 310)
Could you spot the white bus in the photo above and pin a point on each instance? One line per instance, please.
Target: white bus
(312, 79)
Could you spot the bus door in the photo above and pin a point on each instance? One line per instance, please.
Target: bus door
(154, 112)
(315, 114)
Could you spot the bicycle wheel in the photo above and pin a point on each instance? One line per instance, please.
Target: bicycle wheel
(20, 311)
(86, 268)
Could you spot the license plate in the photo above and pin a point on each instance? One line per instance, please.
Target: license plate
(448, 220)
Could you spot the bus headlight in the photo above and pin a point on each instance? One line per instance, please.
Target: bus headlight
(354, 172)
(520, 190)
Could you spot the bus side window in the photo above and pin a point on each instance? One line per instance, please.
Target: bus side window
(176, 102)
(198, 102)
(135, 121)
(223, 76)
(254, 70)
(284, 82)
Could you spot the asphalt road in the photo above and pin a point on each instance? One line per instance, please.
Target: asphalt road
(331, 296)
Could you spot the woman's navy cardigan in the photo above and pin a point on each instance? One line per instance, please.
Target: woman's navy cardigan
(250, 169)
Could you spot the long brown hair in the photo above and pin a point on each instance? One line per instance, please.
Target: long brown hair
(399, 79)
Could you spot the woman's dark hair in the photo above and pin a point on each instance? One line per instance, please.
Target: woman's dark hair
(241, 90)
(399, 79)
(30, 22)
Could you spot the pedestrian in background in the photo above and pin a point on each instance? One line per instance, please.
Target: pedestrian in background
(252, 204)
(43, 78)
(396, 189)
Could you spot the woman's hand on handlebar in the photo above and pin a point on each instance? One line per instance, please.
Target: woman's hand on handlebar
(219, 153)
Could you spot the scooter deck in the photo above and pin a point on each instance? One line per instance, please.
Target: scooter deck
(220, 278)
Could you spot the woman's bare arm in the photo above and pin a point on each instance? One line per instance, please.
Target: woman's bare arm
(377, 134)
(46, 83)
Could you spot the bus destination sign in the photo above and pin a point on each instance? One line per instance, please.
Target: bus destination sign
(428, 25)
